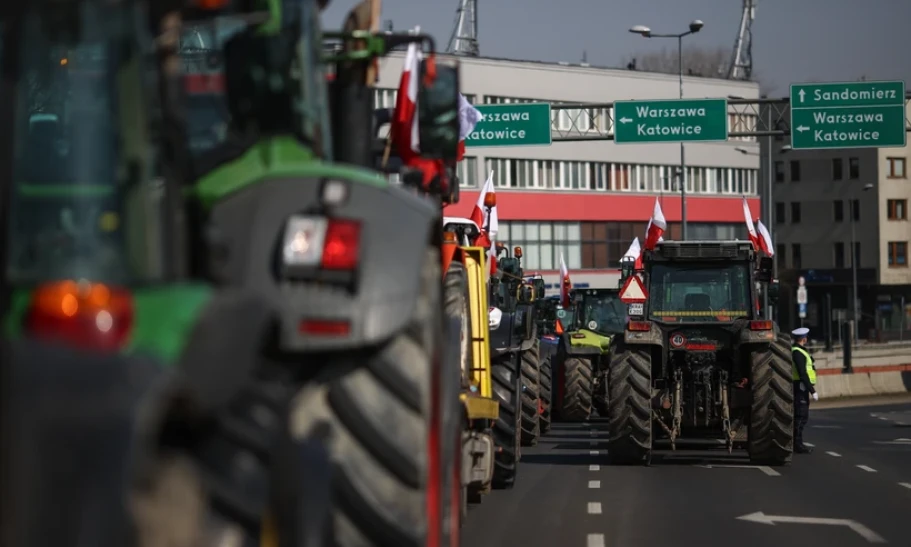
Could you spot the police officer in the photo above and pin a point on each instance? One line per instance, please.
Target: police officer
(803, 373)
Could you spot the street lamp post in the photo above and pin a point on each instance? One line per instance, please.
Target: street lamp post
(856, 305)
(695, 27)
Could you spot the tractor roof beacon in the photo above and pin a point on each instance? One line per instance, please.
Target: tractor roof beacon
(701, 361)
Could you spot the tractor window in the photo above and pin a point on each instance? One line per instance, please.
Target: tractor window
(241, 84)
(699, 293)
(74, 168)
(602, 313)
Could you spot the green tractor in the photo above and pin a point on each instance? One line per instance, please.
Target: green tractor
(210, 209)
(515, 349)
(580, 363)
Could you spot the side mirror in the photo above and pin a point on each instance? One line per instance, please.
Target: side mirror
(764, 272)
(772, 289)
(539, 288)
(438, 109)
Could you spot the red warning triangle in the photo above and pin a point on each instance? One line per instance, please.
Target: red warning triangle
(633, 291)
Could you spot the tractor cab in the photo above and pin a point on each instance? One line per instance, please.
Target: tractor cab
(599, 311)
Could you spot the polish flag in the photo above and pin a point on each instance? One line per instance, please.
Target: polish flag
(765, 242)
(489, 226)
(469, 116)
(751, 230)
(565, 283)
(404, 127)
(635, 252)
(656, 227)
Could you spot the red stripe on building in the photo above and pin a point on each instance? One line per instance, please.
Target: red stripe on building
(592, 206)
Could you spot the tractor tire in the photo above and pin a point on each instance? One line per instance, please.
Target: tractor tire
(530, 371)
(455, 305)
(578, 381)
(376, 411)
(547, 396)
(629, 411)
(770, 439)
(507, 385)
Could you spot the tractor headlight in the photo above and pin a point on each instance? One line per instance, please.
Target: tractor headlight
(303, 241)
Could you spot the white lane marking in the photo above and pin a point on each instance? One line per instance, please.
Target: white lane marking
(764, 468)
(867, 469)
(594, 484)
(810, 445)
(883, 418)
(594, 508)
(594, 467)
(595, 540)
(905, 484)
(593, 453)
(834, 454)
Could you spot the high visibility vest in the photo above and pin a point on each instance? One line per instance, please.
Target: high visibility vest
(811, 370)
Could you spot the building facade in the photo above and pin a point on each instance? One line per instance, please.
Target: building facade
(587, 200)
(825, 203)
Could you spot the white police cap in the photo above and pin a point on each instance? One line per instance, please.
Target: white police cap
(800, 333)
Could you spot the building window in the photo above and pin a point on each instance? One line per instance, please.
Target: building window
(898, 209)
(795, 256)
(467, 171)
(897, 168)
(780, 252)
(898, 254)
(839, 249)
(779, 171)
(795, 212)
(543, 242)
(855, 210)
(853, 168)
(857, 256)
(837, 169)
(838, 210)
(780, 213)
(795, 171)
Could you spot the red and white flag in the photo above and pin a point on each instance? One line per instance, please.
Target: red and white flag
(765, 239)
(751, 230)
(656, 227)
(635, 252)
(469, 116)
(565, 283)
(487, 222)
(404, 127)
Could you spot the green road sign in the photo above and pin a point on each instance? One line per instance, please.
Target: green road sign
(675, 120)
(848, 115)
(517, 124)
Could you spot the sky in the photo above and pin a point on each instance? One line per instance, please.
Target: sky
(794, 41)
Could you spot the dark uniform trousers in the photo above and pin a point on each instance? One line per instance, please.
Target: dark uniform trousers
(801, 412)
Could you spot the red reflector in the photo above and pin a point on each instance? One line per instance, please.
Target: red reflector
(640, 326)
(760, 325)
(325, 328)
(342, 246)
(578, 336)
(700, 347)
(196, 84)
(83, 315)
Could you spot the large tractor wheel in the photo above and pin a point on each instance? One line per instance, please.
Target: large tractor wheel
(455, 304)
(507, 429)
(376, 412)
(530, 371)
(578, 382)
(547, 396)
(629, 411)
(770, 439)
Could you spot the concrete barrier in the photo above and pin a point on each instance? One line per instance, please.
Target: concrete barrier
(864, 381)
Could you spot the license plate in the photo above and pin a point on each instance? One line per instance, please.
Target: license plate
(636, 309)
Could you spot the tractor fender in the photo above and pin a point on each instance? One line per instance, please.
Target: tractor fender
(652, 337)
(752, 337)
(397, 226)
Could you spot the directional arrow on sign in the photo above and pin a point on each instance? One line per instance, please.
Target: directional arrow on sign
(802, 128)
(859, 528)
(802, 95)
(625, 120)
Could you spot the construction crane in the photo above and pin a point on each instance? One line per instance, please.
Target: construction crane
(464, 39)
(741, 67)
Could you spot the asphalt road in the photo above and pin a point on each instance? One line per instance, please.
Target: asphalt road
(567, 494)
